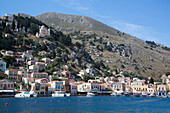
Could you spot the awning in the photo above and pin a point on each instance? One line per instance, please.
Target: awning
(6, 90)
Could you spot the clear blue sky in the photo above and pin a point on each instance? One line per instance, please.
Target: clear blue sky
(145, 19)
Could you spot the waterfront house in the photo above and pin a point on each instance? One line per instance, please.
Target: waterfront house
(6, 87)
(103, 87)
(57, 85)
(2, 66)
(88, 87)
(39, 88)
(151, 89)
(161, 90)
(139, 87)
(118, 87)
(73, 88)
(43, 88)
(66, 85)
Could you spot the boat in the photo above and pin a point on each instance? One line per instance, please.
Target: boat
(119, 93)
(67, 94)
(90, 94)
(136, 94)
(22, 94)
(168, 95)
(58, 94)
(151, 95)
(33, 94)
(113, 94)
(144, 94)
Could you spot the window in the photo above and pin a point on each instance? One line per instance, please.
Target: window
(162, 89)
(8, 85)
(1, 85)
(5, 85)
(11, 85)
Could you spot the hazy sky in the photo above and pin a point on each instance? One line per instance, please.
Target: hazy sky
(145, 19)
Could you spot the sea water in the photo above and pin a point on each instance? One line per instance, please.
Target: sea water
(99, 104)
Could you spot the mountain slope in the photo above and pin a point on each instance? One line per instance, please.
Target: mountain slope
(65, 22)
(118, 50)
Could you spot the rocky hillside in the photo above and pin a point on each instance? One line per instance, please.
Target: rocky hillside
(117, 50)
(58, 46)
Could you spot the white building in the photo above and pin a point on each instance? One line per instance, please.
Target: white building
(43, 31)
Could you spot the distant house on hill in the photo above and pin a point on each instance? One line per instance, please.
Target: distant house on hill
(43, 31)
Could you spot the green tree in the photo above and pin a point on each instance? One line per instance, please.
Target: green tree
(34, 53)
(44, 47)
(34, 28)
(151, 81)
(53, 53)
(9, 60)
(13, 25)
(41, 70)
(1, 55)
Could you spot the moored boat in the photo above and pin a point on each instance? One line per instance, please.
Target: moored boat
(33, 94)
(58, 94)
(151, 95)
(90, 94)
(67, 94)
(22, 94)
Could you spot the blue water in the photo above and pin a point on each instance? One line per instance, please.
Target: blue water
(86, 105)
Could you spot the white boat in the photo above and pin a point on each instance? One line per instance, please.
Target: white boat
(117, 93)
(113, 94)
(67, 94)
(23, 94)
(144, 94)
(151, 95)
(58, 94)
(90, 94)
(33, 94)
(168, 95)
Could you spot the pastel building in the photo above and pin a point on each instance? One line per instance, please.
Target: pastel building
(38, 75)
(34, 68)
(73, 89)
(88, 87)
(13, 74)
(6, 87)
(139, 87)
(118, 87)
(57, 85)
(161, 89)
(2, 66)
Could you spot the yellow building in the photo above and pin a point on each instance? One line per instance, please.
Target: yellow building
(139, 87)
(162, 89)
